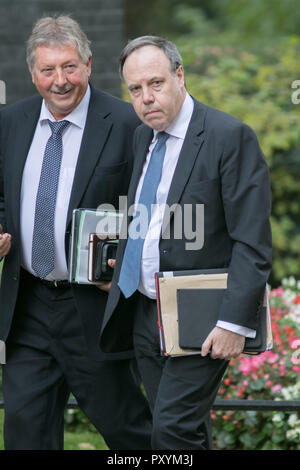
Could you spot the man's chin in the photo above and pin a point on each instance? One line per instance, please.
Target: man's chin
(156, 124)
(60, 110)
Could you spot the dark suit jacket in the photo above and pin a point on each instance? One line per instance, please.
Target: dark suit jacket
(103, 172)
(222, 167)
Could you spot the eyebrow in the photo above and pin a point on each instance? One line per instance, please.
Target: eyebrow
(151, 80)
(67, 62)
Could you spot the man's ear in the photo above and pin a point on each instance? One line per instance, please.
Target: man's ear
(89, 66)
(180, 75)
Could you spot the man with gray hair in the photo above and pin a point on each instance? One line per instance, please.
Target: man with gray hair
(68, 147)
(187, 154)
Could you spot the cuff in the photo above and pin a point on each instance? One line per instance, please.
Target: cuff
(241, 330)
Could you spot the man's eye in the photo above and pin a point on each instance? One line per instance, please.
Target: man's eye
(134, 91)
(69, 68)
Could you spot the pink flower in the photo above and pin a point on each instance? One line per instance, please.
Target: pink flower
(276, 388)
(273, 358)
(295, 344)
(268, 383)
(296, 299)
(245, 367)
(282, 371)
(295, 358)
(279, 291)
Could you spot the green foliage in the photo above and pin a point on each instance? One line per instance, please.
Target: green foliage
(76, 421)
(258, 20)
(158, 16)
(273, 375)
(256, 88)
(84, 441)
(215, 21)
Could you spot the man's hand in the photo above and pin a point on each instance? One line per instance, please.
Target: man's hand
(105, 286)
(223, 344)
(5, 242)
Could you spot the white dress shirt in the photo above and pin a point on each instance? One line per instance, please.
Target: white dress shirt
(71, 137)
(150, 257)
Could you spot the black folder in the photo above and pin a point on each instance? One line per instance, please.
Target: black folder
(198, 311)
(184, 323)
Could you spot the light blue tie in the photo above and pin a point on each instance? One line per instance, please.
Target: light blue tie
(131, 266)
(42, 260)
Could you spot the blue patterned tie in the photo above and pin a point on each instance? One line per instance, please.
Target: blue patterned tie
(131, 266)
(43, 234)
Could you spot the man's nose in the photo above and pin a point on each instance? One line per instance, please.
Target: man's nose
(148, 96)
(60, 78)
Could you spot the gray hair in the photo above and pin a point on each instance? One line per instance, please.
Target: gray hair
(55, 31)
(166, 46)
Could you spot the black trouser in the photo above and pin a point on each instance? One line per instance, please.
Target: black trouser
(181, 390)
(47, 358)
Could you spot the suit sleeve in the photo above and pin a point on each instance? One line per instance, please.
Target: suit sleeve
(247, 204)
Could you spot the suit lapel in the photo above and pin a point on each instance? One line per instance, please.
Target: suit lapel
(190, 149)
(141, 151)
(24, 135)
(94, 137)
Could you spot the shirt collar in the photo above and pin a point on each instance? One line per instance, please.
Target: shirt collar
(179, 126)
(77, 116)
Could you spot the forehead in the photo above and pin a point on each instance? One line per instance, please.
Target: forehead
(55, 53)
(145, 62)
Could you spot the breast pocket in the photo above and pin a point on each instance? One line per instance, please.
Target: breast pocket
(110, 169)
(203, 192)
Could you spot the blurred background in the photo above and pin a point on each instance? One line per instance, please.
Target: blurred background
(241, 57)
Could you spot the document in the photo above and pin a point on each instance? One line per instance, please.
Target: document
(89, 226)
(185, 298)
